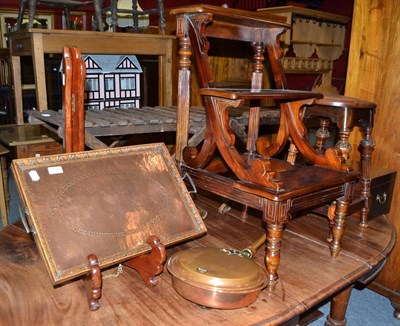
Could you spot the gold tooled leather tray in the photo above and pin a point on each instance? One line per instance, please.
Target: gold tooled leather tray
(216, 278)
(103, 202)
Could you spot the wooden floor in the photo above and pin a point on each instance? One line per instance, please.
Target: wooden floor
(308, 275)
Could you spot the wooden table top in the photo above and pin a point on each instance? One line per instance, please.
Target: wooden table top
(308, 275)
(111, 43)
(117, 122)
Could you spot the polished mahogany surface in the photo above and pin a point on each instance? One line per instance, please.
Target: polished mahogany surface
(308, 276)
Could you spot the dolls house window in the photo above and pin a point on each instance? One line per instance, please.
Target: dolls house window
(109, 84)
(128, 83)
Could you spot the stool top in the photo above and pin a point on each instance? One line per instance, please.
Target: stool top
(252, 94)
(345, 101)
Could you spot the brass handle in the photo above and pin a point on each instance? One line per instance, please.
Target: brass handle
(381, 199)
(250, 251)
(19, 47)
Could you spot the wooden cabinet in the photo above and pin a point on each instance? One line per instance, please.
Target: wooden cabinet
(374, 75)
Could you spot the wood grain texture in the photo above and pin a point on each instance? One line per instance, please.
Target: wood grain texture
(374, 75)
(308, 276)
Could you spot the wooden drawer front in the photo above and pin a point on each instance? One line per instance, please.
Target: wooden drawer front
(21, 47)
(381, 192)
(42, 149)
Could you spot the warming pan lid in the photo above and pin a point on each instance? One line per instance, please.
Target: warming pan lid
(217, 270)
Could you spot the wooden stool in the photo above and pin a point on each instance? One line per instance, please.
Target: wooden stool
(4, 192)
(66, 5)
(347, 113)
(134, 12)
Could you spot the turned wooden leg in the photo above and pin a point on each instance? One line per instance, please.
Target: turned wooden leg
(32, 10)
(366, 148)
(273, 255)
(322, 135)
(338, 226)
(343, 143)
(339, 303)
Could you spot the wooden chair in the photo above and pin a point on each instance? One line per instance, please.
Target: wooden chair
(73, 100)
(65, 5)
(255, 178)
(134, 10)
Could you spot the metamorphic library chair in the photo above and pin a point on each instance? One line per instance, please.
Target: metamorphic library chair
(255, 177)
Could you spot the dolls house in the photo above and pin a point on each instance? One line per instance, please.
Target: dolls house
(112, 81)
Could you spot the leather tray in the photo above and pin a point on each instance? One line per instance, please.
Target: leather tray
(103, 202)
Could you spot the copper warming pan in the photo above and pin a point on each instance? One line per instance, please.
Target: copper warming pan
(217, 278)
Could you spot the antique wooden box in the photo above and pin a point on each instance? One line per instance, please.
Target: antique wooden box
(104, 202)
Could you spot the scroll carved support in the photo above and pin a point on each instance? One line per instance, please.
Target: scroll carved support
(267, 149)
(332, 157)
(254, 170)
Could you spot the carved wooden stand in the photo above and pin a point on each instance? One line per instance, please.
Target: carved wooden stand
(148, 266)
